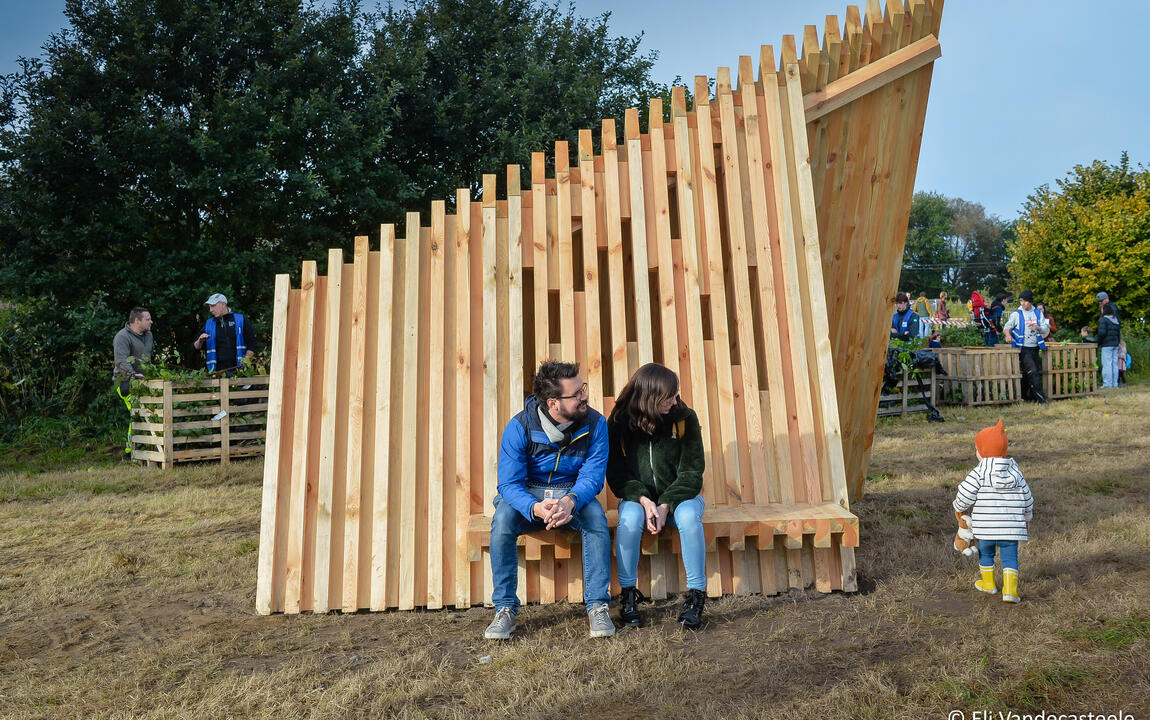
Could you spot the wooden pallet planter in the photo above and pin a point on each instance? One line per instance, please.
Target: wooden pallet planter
(1070, 370)
(177, 421)
(695, 244)
(907, 398)
(992, 376)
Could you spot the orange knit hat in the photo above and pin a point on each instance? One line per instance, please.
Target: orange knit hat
(991, 441)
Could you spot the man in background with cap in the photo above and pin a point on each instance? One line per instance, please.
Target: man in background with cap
(226, 336)
(1104, 300)
(1027, 329)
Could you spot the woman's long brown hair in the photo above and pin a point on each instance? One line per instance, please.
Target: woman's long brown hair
(639, 399)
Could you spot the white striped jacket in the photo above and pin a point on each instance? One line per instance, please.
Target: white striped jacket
(1000, 497)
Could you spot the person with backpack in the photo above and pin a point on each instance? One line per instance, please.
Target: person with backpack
(982, 319)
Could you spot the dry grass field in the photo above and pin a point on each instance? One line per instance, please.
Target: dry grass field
(129, 593)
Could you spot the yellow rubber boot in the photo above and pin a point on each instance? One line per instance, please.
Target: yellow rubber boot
(1010, 586)
(986, 584)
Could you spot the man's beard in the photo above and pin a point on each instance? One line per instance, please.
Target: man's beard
(579, 413)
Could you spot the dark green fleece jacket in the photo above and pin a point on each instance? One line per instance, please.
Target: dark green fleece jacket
(666, 467)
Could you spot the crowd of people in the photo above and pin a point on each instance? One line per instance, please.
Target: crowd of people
(1026, 328)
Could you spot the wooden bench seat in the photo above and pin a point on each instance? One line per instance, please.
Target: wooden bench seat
(734, 522)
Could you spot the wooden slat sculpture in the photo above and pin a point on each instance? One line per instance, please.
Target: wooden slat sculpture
(695, 244)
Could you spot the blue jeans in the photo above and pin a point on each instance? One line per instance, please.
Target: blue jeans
(1007, 551)
(688, 518)
(1109, 358)
(506, 527)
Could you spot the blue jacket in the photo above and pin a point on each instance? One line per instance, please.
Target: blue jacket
(906, 326)
(528, 457)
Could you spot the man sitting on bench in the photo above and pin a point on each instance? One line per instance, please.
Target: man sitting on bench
(552, 461)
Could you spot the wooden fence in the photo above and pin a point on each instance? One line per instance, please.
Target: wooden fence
(209, 419)
(992, 376)
(694, 244)
(907, 396)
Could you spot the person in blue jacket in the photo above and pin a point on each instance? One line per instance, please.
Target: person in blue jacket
(226, 336)
(904, 322)
(552, 464)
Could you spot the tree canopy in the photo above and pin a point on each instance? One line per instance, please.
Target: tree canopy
(1091, 234)
(952, 244)
(161, 151)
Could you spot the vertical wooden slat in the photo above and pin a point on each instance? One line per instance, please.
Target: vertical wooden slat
(639, 236)
(269, 507)
(761, 223)
(565, 252)
(539, 274)
(297, 517)
(408, 413)
(463, 418)
(382, 509)
(593, 363)
(616, 300)
(435, 445)
(515, 331)
(354, 421)
(328, 420)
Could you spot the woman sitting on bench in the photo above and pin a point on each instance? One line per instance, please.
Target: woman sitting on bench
(655, 468)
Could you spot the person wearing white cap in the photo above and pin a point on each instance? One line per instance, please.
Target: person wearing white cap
(226, 336)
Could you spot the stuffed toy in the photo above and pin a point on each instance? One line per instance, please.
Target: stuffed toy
(964, 541)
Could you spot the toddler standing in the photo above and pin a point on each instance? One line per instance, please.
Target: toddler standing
(1002, 508)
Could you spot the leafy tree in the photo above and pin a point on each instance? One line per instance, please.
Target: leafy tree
(952, 244)
(927, 254)
(485, 84)
(1091, 234)
(161, 151)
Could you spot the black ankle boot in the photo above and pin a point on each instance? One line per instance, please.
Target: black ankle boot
(629, 616)
(692, 615)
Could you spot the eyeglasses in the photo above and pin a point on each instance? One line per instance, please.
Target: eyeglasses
(581, 392)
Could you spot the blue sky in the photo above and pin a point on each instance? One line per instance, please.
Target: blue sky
(1025, 89)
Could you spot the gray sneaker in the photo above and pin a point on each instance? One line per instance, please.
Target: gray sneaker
(503, 625)
(600, 619)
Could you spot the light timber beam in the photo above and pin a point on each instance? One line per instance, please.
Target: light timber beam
(871, 77)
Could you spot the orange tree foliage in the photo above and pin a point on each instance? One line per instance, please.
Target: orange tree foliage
(1091, 234)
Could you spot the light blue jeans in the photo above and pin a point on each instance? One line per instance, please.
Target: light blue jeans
(688, 518)
(1109, 359)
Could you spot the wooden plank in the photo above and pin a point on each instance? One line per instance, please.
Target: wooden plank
(668, 312)
(593, 362)
(463, 417)
(436, 585)
(616, 282)
(761, 225)
(566, 271)
(815, 312)
(300, 441)
(748, 389)
(269, 501)
(328, 422)
(692, 343)
(539, 249)
(389, 339)
(639, 237)
(408, 285)
(738, 480)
